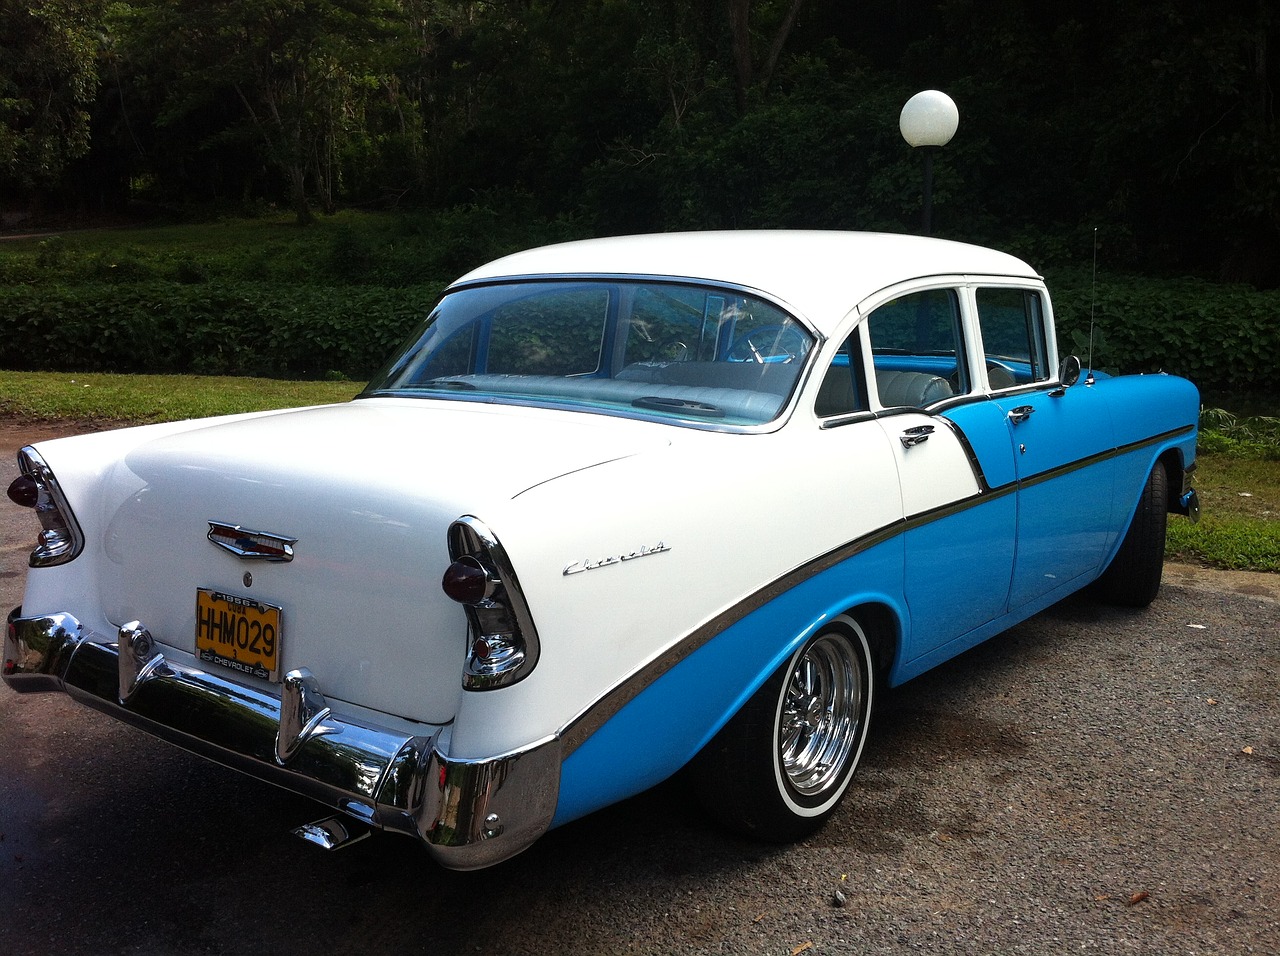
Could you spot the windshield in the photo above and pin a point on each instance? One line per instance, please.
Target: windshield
(690, 352)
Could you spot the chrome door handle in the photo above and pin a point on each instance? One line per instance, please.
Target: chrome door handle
(1021, 414)
(916, 435)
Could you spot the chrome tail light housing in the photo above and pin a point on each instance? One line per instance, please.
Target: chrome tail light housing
(502, 643)
(60, 539)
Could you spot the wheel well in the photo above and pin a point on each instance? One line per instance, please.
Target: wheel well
(1173, 469)
(883, 634)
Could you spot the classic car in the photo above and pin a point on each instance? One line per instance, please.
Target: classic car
(620, 508)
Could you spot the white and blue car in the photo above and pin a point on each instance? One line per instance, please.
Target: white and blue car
(620, 508)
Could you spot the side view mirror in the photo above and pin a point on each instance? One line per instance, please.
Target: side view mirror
(1069, 371)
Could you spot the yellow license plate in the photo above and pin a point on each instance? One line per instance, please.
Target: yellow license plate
(238, 633)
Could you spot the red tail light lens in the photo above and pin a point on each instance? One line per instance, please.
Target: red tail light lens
(467, 581)
(24, 491)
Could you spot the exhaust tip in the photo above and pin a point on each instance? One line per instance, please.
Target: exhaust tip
(333, 833)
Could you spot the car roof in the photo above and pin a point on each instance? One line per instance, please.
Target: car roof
(820, 274)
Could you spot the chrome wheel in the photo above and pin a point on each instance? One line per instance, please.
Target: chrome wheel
(821, 714)
(780, 767)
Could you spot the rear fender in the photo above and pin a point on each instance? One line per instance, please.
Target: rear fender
(617, 751)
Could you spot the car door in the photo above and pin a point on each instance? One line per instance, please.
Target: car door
(959, 534)
(1061, 440)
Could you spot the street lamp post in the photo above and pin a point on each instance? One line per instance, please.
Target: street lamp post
(929, 120)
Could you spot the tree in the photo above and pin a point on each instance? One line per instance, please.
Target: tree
(48, 81)
(746, 71)
(300, 69)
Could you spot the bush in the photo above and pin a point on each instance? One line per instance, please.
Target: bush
(1225, 338)
(236, 328)
(248, 297)
(1243, 436)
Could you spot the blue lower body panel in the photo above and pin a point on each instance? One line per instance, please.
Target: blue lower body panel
(659, 731)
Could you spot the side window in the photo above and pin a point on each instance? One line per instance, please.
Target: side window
(1012, 323)
(917, 349)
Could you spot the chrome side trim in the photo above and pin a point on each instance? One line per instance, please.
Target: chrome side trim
(468, 813)
(606, 707)
(1108, 455)
(597, 715)
(1061, 470)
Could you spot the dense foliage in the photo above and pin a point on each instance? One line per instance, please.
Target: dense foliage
(226, 328)
(261, 297)
(1225, 338)
(251, 297)
(1152, 120)
(48, 80)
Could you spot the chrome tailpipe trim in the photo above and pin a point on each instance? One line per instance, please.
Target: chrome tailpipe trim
(333, 833)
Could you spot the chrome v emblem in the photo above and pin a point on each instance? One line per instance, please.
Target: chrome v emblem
(251, 545)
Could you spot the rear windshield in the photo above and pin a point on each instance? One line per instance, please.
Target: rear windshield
(689, 352)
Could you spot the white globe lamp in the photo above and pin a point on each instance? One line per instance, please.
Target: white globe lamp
(929, 120)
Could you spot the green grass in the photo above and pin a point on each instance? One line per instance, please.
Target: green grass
(1238, 477)
(1232, 544)
(132, 399)
(1240, 504)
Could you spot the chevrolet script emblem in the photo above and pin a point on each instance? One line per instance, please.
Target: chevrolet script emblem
(251, 545)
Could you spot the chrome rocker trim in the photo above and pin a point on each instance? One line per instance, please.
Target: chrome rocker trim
(468, 813)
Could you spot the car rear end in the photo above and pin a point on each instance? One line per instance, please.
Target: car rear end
(267, 592)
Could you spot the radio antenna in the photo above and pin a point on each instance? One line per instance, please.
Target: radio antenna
(1093, 301)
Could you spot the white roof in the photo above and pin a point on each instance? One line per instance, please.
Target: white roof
(822, 275)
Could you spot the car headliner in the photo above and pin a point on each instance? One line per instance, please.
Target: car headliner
(821, 275)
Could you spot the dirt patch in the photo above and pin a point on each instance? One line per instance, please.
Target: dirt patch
(16, 431)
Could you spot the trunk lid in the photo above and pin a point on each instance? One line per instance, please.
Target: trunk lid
(368, 490)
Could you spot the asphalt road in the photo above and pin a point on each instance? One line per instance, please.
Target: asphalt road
(1094, 780)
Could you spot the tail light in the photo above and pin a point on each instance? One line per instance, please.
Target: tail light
(502, 644)
(468, 581)
(60, 539)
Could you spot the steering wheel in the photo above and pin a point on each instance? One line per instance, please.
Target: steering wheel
(769, 343)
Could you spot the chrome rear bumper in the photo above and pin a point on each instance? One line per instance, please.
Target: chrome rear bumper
(468, 813)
